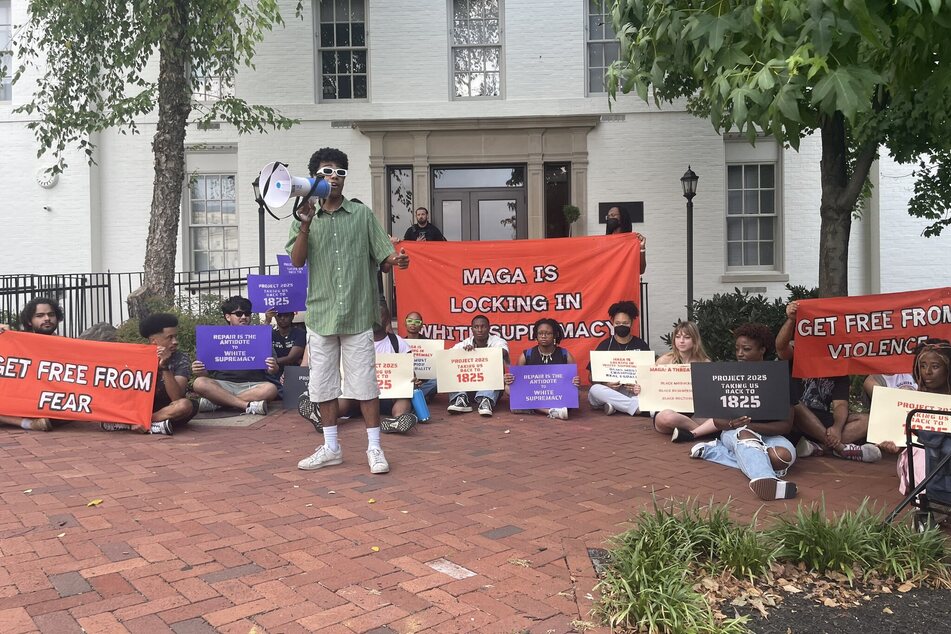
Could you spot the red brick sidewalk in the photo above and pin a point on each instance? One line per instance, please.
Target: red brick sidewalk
(482, 525)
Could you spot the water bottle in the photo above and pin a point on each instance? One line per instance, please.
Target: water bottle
(420, 408)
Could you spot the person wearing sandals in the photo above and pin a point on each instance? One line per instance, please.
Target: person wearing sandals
(757, 448)
(548, 335)
(686, 347)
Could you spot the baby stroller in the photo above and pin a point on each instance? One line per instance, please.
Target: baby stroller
(934, 491)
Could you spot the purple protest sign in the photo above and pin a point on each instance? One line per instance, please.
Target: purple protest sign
(538, 386)
(233, 347)
(284, 262)
(283, 293)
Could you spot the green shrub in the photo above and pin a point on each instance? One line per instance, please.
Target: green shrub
(200, 310)
(718, 316)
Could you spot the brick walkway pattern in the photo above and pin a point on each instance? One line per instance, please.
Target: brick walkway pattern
(482, 525)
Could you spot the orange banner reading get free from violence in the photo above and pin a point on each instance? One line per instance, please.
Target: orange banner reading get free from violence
(515, 283)
(868, 334)
(44, 376)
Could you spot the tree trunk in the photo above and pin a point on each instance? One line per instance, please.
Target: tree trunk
(835, 210)
(168, 148)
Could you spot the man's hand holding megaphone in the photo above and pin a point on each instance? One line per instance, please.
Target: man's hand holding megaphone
(306, 213)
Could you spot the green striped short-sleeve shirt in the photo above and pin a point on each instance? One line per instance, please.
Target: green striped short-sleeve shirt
(344, 251)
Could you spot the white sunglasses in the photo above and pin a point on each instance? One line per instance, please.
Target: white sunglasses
(330, 171)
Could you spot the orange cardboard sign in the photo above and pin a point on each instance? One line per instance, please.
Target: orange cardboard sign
(867, 334)
(515, 283)
(43, 376)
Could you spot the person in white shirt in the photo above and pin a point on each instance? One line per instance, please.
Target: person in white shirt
(485, 400)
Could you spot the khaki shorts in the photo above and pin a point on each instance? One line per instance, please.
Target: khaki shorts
(236, 389)
(359, 366)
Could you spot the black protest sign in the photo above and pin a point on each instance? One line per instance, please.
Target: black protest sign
(758, 389)
(296, 379)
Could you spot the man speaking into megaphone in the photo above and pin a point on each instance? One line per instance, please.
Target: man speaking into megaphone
(344, 246)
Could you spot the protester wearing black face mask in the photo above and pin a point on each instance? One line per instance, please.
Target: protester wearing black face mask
(614, 397)
(619, 221)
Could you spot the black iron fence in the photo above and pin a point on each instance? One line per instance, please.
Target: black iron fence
(91, 298)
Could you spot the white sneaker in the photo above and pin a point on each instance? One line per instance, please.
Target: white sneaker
(257, 407)
(377, 461)
(558, 413)
(163, 427)
(323, 457)
(697, 450)
(485, 406)
(609, 409)
(204, 405)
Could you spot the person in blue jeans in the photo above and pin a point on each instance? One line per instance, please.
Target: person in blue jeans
(757, 448)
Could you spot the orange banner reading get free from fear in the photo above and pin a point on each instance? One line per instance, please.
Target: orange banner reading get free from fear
(868, 334)
(515, 283)
(44, 376)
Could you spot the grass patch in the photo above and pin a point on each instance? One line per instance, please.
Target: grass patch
(650, 583)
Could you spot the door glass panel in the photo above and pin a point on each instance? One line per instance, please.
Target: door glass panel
(480, 177)
(497, 219)
(452, 219)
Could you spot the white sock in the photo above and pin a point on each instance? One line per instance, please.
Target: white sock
(330, 438)
(373, 438)
(25, 423)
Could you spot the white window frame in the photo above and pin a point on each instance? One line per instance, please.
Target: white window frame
(319, 49)
(588, 41)
(192, 227)
(452, 48)
(8, 76)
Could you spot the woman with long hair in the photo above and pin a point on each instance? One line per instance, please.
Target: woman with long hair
(686, 346)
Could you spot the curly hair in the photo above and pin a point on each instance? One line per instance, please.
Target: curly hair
(941, 348)
(626, 306)
(555, 326)
(626, 226)
(758, 333)
(327, 155)
(156, 323)
(29, 311)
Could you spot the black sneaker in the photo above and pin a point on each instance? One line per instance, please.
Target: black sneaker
(398, 425)
(681, 435)
(485, 406)
(310, 411)
(460, 405)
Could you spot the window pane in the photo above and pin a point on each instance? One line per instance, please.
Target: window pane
(734, 254)
(216, 238)
(359, 86)
(734, 177)
(231, 259)
(471, 178)
(227, 211)
(201, 261)
(612, 52)
(596, 55)
(766, 253)
(328, 62)
(461, 83)
(329, 87)
(227, 188)
(196, 187)
(596, 80)
(750, 229)
(231, 238)
(460, 59)
(214, 188)
(766, 176)
(357, 11)
(326, 10)
(734, 229)
(343, 34)
(492, 8)
(341, 10)
(766, 228)
(595, 28)
(401, 200)
(327, 35)
(200, 239)
(750, 254)
(358, 34)
(198, 215)
(751, 202)
(343, 88)
(492, 33)
(452, 219)
(751, 176)
(493, 85)
(359, 60)
(735, 203)
(497, 219)
(216, 260)
(766, 197)
(343, 62)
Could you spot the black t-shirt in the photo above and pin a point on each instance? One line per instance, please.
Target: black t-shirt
(610, 344)
(820, 393)
(534, 357)
(429, 233)
(282, 345)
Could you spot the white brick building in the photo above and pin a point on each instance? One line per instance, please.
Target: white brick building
(399, 109)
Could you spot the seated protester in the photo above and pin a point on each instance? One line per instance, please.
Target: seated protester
(822, 415)
(757, 448)
(480, 338)
(897, 381)
(414, 323)
(396, 415)
(548, 335)
(247, 390)
(613, 397)
(170, 408)
(686, 347)
(288, 340)
(42, 315)
(931, 372)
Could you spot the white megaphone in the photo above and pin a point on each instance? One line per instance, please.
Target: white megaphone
(278, 186)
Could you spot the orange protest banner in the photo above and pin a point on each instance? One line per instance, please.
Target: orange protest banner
(44, 376)
(868, 334)
(515, 283)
